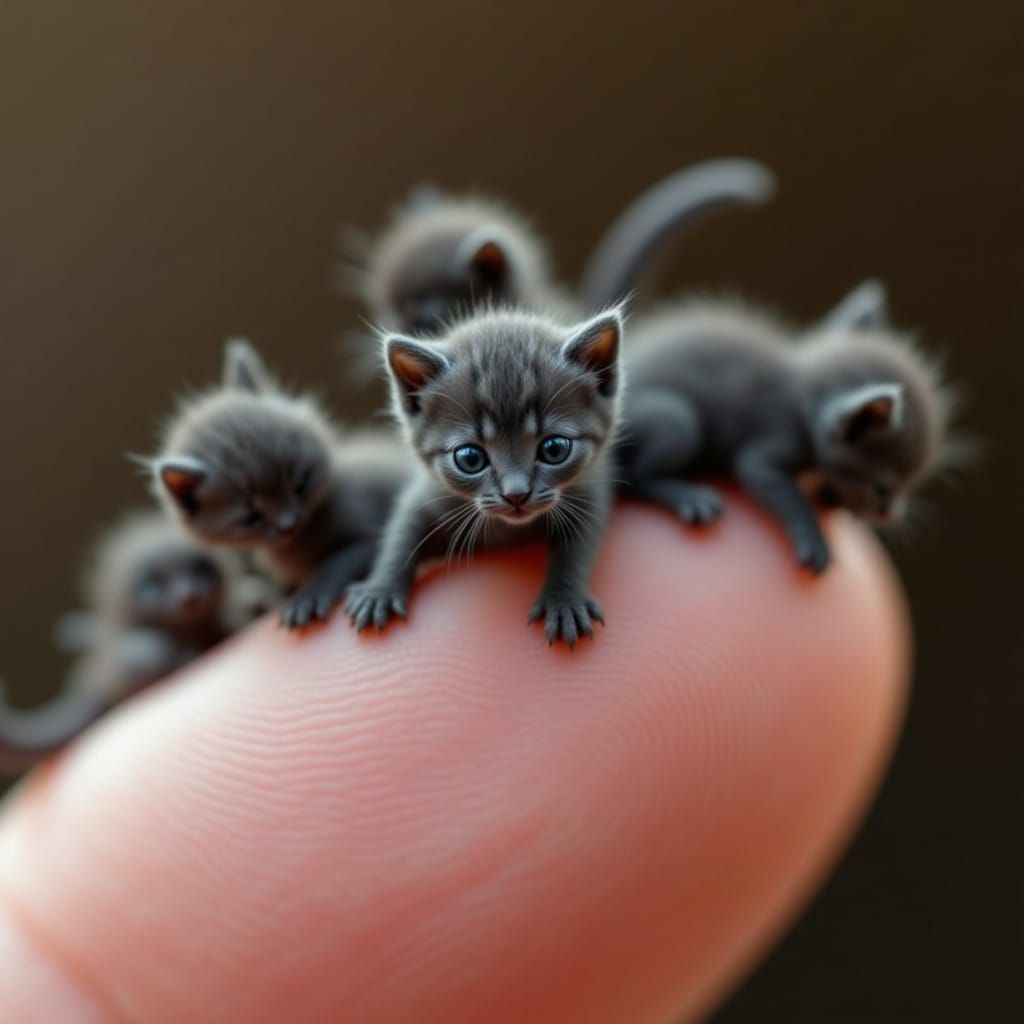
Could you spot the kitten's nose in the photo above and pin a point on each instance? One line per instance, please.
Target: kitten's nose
(286, 523)
(516, 498)
(190, 599)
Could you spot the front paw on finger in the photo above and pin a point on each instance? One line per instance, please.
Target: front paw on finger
(374, 608)
(567, 619)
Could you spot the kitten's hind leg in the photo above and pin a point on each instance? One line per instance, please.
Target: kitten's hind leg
(663, 437)
(315, 599)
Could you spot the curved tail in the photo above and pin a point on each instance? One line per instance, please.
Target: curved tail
(642, 233)
(31, 735)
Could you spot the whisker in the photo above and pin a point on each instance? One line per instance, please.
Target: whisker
(445, 521)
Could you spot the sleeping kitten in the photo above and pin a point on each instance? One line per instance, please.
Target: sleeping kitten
(250, 466)
(155, 601)
(511, 416)
(444, 256)
(721, 389)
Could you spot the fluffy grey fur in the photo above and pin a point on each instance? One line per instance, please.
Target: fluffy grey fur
(511, 415)
(250, 466)
(443, 256)
(721, 389)
(155, 601)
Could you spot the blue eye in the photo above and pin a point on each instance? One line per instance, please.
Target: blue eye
(554, 450)
(470, 458)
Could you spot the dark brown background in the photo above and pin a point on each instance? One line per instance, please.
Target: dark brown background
(172, 173)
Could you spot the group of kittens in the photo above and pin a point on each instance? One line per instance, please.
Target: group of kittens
(516, 422)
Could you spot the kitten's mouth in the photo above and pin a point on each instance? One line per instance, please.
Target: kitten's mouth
(520, 515)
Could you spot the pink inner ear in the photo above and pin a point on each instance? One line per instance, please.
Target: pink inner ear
(489, 255)
(412, 370)
(180, 482)
(602, 348)
(879, 410)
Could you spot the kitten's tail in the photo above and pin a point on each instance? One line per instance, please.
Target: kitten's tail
(31, 735)
(629, 251)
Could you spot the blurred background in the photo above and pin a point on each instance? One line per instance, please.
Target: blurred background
(171, 174)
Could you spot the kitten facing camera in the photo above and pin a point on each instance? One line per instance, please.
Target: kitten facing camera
(511, 415)
(250, 466)
(725, 390)
(155, 601)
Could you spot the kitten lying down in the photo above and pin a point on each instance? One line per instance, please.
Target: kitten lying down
(511, 416)
(155, 601)
(721, 389)
(248, 465)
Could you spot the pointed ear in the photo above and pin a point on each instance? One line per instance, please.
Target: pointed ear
(424, 196)
(485, 258)
(594, 346)
(181, 477)
(412, 365)
(243, 368)
(863, 309)
(864, 411)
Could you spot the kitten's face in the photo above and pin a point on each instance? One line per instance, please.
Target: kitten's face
(446, 276)
(870, 451)
(510, 411)
(175, 586)
(249, 466)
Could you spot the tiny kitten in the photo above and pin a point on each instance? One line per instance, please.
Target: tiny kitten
(722, 389)
(248, 465)
(444, 256)
(155, 601)
(511, 416)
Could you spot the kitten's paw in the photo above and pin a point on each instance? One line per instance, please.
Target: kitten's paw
(699, 506)
(566, 617)
(812, 553)
(369, 604)
(313, 603)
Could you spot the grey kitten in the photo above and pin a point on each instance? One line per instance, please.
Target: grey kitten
(511, 416)
(250, 466)
(444, 256)
(720, 389)
(155, 601)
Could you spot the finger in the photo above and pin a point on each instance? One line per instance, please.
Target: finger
(455, 823)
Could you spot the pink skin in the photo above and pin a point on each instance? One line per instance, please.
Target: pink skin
(453, 823)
